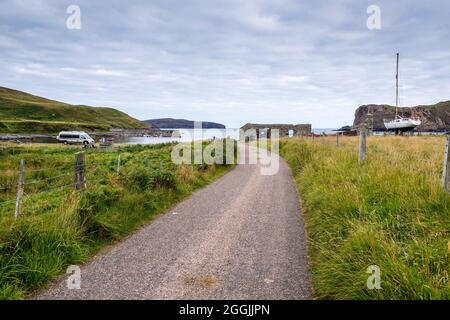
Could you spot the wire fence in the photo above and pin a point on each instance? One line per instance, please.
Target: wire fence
(28, 185)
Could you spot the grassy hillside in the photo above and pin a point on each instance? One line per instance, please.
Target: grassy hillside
(21, 112)
(390, 212)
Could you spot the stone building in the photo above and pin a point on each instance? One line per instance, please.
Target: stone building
(253, 131)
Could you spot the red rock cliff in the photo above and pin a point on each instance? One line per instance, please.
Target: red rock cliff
(434, 117)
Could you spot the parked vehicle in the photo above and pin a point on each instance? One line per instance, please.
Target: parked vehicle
(76, 137)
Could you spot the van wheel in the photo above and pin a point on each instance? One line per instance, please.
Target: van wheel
(66, 143)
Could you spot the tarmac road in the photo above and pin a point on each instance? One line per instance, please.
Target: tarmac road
(242, 237)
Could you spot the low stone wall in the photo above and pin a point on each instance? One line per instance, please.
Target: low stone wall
(36, 138)
(284, 129)
(116, 135)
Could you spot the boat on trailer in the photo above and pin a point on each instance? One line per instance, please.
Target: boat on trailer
(400, 124)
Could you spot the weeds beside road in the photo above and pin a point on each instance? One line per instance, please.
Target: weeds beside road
(390, 212)
(60, 226)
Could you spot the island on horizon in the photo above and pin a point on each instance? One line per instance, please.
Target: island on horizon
(170, 123)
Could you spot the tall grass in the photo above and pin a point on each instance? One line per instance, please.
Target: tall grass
(390, 212)
(67, 227)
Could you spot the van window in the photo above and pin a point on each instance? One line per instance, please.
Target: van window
(69, 136)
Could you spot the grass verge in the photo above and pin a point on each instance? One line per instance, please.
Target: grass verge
(389, 212)
(63, 226)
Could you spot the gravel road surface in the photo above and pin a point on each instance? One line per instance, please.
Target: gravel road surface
(241, 237)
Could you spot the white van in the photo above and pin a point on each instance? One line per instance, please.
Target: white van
(76, 137)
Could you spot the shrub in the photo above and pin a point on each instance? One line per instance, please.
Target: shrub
(164, 179)
(91, 203)
(141, 179)
(186, 173)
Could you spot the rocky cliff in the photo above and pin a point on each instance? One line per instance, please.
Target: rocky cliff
(434, 117)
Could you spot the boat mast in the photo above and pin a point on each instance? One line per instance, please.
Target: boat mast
(396, 89)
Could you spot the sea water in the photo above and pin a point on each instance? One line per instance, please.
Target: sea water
(187, 135)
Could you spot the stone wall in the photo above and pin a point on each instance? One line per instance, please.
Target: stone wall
(284, 129)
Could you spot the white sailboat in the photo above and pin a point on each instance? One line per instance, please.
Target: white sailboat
(400, 124)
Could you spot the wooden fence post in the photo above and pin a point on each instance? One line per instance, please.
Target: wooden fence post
(446, 173)
(337, 139)
(20, 188)
(118, 164)
(80, 170)
(160, 165)
(362, 145)
(146, 162)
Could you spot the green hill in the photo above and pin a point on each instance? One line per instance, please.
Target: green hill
(21, 112)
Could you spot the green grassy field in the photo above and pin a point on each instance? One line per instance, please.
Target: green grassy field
(24, 113)
(390, 212)
(62, 226)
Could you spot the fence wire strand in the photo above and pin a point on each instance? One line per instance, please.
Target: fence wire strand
(4, 203)
(49, 190)
(95, 168)
(47, 179)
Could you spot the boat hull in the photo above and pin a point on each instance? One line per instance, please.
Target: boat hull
(401, 124)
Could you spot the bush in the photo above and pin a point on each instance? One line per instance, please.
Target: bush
(141, 179)
(164, 179)
(91, 203)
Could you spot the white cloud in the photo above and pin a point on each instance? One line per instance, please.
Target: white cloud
(104, 72)
(228, 61)
(30, 71)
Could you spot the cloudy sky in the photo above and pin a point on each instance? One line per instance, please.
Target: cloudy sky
(229, 61)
